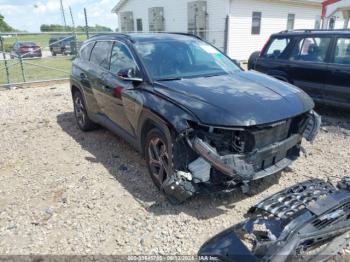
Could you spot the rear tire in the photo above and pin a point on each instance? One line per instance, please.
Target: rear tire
(53, 53)
(80, 112)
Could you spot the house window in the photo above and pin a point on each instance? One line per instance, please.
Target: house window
(290, 22)
(139, 25)
(256, 23)
(332, 23)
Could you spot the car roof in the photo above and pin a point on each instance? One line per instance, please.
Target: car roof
(23, 42)
(143, 37)
(308, 32)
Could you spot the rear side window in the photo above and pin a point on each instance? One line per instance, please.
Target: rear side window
(101, 54)
(342, 51)
(311, 49)
(86, 51)
(277, 48)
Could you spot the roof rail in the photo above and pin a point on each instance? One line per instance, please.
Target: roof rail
(180, 33)
(109, 34)
(313, 30)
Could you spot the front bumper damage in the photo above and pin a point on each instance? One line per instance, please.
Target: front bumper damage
(306, 222)
(234, 158)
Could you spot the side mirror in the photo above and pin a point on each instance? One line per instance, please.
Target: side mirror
(129, 74)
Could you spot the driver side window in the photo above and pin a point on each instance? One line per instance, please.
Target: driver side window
(121, 59)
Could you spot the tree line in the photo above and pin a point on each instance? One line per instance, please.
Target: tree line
(4, 27)
(61, 28)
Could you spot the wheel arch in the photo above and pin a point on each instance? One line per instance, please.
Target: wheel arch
(149, 121)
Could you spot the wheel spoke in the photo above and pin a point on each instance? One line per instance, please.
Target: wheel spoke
(80, 111)
(158, 159)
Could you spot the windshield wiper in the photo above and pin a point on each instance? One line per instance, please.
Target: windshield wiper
(170, 79)
(218, 74)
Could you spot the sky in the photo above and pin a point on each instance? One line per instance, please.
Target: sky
(28, 15)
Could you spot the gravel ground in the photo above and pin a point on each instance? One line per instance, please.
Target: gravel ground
(63, 191)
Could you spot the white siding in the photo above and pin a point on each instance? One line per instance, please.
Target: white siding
(339, 20)
(274, 19)
(175, 14)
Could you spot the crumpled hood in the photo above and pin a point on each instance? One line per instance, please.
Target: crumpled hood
(240, 99)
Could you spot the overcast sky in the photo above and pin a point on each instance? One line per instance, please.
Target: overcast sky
(30, 14)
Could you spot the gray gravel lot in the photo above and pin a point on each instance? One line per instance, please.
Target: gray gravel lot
(63, 191)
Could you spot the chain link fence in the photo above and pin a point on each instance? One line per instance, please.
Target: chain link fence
(27, 58)
(39, 57)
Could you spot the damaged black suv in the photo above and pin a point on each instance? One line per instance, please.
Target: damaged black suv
(202, 123)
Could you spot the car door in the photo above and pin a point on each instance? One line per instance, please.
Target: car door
(272, 61)
(114, 87)
(83, 73)
(99, 66)
(337, 86)
(307, 66)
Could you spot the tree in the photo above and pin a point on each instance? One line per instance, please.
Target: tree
(60, 28)
(4, 27)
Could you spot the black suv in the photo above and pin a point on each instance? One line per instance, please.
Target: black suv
(201, 122)
(61, 45)
(315, 60)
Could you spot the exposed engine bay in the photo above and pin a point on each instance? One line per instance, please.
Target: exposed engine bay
(208, 159)
(306, 222)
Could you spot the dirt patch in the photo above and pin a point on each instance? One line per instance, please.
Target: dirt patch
(63, 191)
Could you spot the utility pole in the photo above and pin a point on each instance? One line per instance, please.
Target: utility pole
(86, 24)
(73, 28)
(63, 16)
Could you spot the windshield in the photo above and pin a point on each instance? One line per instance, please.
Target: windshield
(27, 44)
(174, 59)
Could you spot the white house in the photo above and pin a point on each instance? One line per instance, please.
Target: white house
(336, 14)
(238, 27)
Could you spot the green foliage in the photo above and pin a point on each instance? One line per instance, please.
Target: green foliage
(61, 28)
(4, 27)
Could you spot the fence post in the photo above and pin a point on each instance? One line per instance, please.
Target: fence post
(5, 61)
(86, 25)
(22, 68)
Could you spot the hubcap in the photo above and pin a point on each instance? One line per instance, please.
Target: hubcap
(158, 159)
(79, 111)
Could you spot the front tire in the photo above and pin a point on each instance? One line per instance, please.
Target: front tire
(80, 112)
(158, 156)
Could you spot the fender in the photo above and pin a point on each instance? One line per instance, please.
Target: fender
(173, 120)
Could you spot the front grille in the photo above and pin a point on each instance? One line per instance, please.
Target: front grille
(288, 202)
(269, 135)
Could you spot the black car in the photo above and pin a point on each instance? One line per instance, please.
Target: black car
(25, 49)
(202, 123)
(318, 61)
(61, 45)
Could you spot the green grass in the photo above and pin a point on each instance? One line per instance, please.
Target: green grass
(35, 73)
